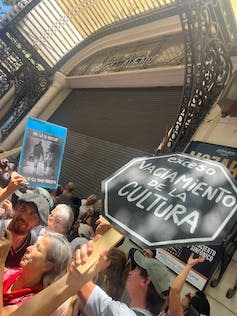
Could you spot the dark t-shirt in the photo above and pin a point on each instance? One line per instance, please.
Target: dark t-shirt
(14, 256)
(192, 311)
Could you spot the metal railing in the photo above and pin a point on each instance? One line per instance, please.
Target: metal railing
(37, 37)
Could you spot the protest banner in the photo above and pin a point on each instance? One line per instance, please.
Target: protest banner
(174, 199)
(176, 257)
(42, 153)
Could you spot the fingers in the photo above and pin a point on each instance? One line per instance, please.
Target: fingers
(103, 225)
(7, 205)
(193, 261)
(102, 221)
(82, 254)
(202, 259)
(18, 180)
(102, 263)
(79, 256)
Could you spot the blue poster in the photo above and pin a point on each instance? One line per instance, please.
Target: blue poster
(42, 153)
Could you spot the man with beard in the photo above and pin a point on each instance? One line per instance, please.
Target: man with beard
(31, 210)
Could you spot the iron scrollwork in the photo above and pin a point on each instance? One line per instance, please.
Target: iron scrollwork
(23, 69)
(5, 84)
(207, 68)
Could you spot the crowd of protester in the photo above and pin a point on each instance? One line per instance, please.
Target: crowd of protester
(45, 235)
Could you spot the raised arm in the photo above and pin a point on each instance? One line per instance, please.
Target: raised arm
(16, 182)
(49, 299)
(175, 307)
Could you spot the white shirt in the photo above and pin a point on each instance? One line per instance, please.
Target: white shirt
(100, 304)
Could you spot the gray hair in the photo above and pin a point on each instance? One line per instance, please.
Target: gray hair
(65, 211)
(59, 254)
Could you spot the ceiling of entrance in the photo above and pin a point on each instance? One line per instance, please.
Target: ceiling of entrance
(55, 27)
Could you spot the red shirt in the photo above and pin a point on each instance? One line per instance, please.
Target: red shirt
(16, 297)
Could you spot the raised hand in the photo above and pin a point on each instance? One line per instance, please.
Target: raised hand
(81, 255)
(77, 279)
(103, 226)
(7, 206)
(16, 182)
(192, 262)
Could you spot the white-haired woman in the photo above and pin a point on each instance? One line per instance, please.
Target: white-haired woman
(42, 263)
(60, 220)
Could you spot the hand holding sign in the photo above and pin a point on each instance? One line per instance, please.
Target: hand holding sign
(103, 226)
(106, 237)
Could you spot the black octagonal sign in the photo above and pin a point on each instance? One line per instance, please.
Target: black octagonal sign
(172, 199)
